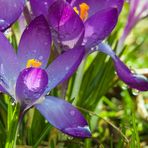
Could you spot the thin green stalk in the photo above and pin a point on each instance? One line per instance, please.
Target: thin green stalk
(13, 128)
(110, 123)
(78, 81)
(43, 134)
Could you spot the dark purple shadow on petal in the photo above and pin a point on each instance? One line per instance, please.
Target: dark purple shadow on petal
(67, 27)
(2, 89)
(40, 7)
(64, 116)
(64, 66)
(97, 5)
(99, 26)
(30, 85)
(9, 65)
(135, 81)
(10, 10)
(35, 42)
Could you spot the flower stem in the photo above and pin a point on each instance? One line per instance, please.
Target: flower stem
(13, 128)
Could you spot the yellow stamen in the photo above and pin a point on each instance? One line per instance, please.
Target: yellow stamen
(33, 63)
(76, 10)
(84, 11)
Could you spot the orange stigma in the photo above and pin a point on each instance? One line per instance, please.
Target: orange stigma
(83, 11)
(33, 63)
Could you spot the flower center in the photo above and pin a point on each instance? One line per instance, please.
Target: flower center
(33, 63)
(83, 11)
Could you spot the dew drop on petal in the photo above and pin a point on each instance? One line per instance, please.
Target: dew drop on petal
(40, 57)
(72, 112)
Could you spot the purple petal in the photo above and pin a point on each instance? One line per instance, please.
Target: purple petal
(64, 116)
(64, 66)
(9, 65)
(10, 10)
(97, 5)
(35, 42)
(2, 90)
(99, 26)
(67, 27)
(135, 81)
(30, 85)
(40, 7)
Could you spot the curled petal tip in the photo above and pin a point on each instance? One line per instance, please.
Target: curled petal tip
(81, 132)
(135, 81)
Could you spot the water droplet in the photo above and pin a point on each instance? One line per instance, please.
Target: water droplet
(40, 57)
(72, 112)
(45, 43)
(15, 5)
(67, 68)
(13, 103)
(3, 24)
(124, 86)
(135, 92)
(27, 101)
(34, 51)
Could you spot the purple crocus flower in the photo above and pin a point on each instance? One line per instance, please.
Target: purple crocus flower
(27, 78)
(70, 29)
(138, 10)
(95, 32)
(88, 23)
(10, 10)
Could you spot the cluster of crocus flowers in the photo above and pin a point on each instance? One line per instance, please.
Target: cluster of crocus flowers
(77, 27)
(26, 77)
(88, 23)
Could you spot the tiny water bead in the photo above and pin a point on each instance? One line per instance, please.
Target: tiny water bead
(3, 24)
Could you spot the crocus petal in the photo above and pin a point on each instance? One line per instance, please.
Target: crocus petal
(64, 116)
(10, 10)
(30, 85)
(67, 27)
(40, 7)
(35, 42)
(97, 5)
(133, 80)
(2, 89)
(99, 26)
(9, 66)
(64, 66)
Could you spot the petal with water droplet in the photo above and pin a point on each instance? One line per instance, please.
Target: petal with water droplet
(64, 116)
(67, 27)
(35, 42)
(99, 26)
(10, 10)
(30, 85)
(2, 89)
(40, 7)
(9, 65)
(64, 66)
